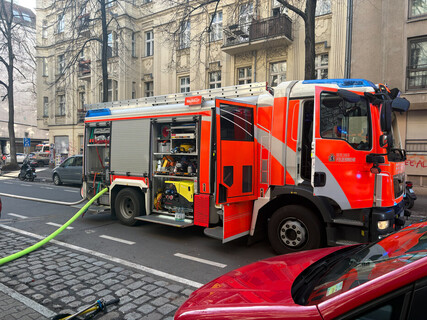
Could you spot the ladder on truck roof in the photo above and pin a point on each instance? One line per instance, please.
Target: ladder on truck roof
(243, 90)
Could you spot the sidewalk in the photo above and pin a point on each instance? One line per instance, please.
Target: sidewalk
(55, 279)
(44, 174)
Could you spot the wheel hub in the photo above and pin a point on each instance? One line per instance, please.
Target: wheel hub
(293, 233)
(128, 207)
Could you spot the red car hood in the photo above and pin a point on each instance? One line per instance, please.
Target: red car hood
(252, 290)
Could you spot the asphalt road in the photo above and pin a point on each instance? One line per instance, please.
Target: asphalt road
(166, 249)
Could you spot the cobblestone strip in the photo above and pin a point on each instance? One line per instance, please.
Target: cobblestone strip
(63, 280)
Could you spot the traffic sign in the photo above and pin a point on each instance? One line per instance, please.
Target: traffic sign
(27, 142)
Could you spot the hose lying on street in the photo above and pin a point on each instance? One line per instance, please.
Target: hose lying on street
(54, 234)
(42, 200)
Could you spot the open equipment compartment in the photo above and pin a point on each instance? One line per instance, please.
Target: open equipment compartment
(175, 166)
(97, 157)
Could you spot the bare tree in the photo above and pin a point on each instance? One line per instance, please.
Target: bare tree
(13, 31)
(89, 21)
(308, 15)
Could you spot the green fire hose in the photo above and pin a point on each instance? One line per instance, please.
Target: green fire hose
(54, 234)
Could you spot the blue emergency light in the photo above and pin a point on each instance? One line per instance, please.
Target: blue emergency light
(98, 113)
(343, 83)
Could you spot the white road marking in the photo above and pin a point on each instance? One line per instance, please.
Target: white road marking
(17, 215)
(48, 188)
(75, 191)
(28, 302)
(26, 185)
(116, 239)
(110, 258)
(8, 183)
(212, 263)
(58, 225)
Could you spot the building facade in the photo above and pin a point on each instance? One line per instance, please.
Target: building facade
(157, 47)
(25, 106)
(389, 45)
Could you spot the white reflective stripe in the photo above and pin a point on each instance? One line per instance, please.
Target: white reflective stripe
(332, 189)
(379, 189)
(291, 163)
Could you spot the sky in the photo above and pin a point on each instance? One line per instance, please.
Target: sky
(26, 3)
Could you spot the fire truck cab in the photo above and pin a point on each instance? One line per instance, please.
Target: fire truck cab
(308, 163)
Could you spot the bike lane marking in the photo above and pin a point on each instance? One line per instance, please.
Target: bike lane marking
(17, 215)
(58, 225)
(117, 239)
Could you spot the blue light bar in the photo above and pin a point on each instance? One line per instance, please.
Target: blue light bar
(343, 83)
(98, 113)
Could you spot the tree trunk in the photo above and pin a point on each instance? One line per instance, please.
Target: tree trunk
(310, 40)
(104, 56)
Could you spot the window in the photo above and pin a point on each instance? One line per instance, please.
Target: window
(244, 75)
(82, 99)
(133, 44)
(60, 27)
(148, 89)
(147, 1)
(61, 64)
(83, 21)
(45, 107)
(149, 43)
(113, 47)
(216, 27)
(184, 35)
(61, 105)
(278, 9)
(277, 73)
(44, 67)
(44, 29)
(184, 84)
(340, 119)
(113, 90)
(236, 123)
(417, 64)
(214, 79)
(26, 17)
(321, 66)
(417, 8)
(323, 7)
(245, 18)
(110, 3)
(133, 90)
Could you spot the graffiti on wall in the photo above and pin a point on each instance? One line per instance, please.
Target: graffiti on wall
(416, 164)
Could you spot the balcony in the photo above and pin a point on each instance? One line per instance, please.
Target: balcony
(84, 69)
(416, 77)
(272, 32)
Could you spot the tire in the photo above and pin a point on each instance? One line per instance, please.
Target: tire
(21, 177)
(128, 205)
(295, 228)
(56, 179)
(409, 202)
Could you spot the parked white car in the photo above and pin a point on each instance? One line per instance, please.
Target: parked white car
(19, 157)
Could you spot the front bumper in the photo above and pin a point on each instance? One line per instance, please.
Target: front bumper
(392, 217)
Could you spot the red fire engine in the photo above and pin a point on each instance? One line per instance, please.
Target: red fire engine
(313, 163)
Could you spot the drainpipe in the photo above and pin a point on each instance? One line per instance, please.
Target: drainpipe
(348, 40)
(255, 57)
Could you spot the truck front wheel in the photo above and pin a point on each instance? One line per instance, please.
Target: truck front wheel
(294, 228)
(128, 205)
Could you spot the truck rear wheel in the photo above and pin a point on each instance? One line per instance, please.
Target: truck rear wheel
(128, 205)
(294, 228)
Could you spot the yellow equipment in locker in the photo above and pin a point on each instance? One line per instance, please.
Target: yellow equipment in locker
(185, 188)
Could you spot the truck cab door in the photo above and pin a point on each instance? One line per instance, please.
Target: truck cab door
(342, 138)
(236, 161)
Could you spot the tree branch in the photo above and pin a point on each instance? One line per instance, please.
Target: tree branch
(299, 12)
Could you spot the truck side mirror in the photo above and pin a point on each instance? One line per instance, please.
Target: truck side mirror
(385, 116)
(348, 96)
(400, 105)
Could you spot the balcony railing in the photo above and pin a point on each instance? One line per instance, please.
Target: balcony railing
(258, 30)
(84, 68)
(417, 77)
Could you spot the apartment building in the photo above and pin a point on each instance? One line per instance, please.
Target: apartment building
(389, 45)
(25, 109)
(156, 47)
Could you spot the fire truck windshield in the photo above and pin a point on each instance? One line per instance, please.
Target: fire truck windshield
(349, 121)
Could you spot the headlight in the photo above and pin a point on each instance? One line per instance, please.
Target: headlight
(383, 224)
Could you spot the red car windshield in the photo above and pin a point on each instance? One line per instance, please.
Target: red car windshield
(353, 267)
